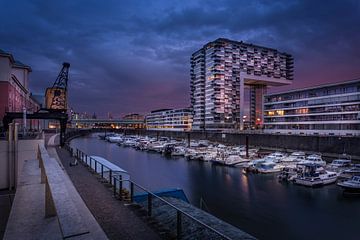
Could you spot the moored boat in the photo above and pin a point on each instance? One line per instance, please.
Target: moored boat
(294, 157)
(343, 161)
(314, 159)
(269, 167)
(314, 175)
(351, 185)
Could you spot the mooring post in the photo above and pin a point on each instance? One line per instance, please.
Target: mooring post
(247, 146)
(188, 138)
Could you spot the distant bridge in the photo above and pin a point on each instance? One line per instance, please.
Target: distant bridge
(107, 121)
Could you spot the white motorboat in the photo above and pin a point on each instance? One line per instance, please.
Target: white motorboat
(349, 173)
(234, 159)
(276, 156)
(351, 185)
(253, 165)
(178, 151)
(190, 153)
(312, 176)
(314, 159)
(210, 156)
(157, 146)
(114, 138)
(269, 167)
(342, 162)
(129, 142)
(294, 157)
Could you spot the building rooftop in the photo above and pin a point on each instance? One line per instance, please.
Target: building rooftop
(240, 43)
(315, 87)
(161, 110)
(16, 63)
(171, 109)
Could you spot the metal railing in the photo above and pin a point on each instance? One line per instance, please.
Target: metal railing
(128, 193)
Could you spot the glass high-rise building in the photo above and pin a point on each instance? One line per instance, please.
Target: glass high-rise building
(222, 70)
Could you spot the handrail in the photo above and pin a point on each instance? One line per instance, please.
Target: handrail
(173, 206)
(83, 157)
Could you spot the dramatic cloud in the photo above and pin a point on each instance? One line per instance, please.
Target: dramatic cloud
(134, 56)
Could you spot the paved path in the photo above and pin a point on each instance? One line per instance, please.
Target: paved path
(6, 200)
(26, 220)
(117, 220)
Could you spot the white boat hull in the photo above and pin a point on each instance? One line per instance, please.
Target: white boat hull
(317, 182)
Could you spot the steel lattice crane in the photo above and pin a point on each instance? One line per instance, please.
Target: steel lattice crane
(56, 96)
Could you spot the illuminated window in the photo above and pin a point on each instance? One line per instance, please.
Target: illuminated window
(302, 111)
(280, 112)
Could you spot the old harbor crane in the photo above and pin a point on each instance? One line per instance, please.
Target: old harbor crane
(56, 96)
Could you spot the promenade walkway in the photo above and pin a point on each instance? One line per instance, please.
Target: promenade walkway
(116, 219)
(6, 200)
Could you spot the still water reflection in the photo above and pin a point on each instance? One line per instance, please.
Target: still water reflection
(257, 204)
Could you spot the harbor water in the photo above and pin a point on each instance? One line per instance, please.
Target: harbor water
(256, 203)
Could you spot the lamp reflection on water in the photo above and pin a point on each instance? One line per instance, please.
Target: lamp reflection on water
(244, 181)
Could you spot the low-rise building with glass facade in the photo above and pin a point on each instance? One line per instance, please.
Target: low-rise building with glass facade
(332, 109)
(169, 120)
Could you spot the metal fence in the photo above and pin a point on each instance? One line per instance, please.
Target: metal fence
(127, 190)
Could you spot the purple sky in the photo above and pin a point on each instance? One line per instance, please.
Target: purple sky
(134, 56)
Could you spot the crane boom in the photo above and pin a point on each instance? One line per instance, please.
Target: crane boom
(56, 96)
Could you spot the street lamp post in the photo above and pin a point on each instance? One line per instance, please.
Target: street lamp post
(24, 121)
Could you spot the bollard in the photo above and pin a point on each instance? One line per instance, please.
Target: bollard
(102, 171)
(95, 166)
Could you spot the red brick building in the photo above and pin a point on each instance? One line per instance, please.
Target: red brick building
(14, 88)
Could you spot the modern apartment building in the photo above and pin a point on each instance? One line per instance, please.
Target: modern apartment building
(327, 109)
(169, 120)
(15, 94)
(221, 72)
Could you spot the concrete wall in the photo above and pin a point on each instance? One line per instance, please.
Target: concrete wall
(26, 150)
(323, 144)
(4, 179)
